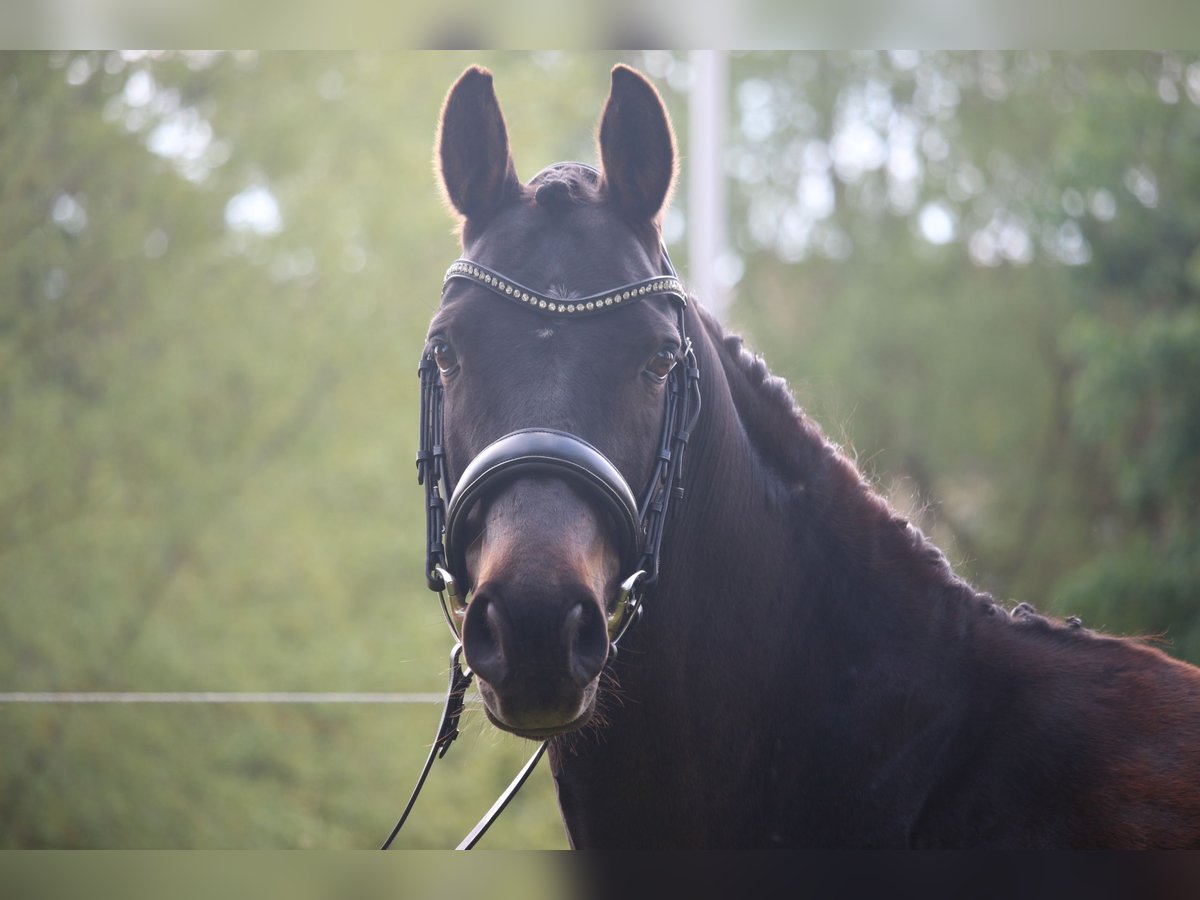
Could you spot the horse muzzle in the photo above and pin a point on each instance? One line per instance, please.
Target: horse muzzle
(537, 652)
(548, 526)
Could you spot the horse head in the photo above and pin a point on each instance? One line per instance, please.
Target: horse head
(555, 387)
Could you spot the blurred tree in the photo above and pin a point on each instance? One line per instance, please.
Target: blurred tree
(215, 276)
(981, 269)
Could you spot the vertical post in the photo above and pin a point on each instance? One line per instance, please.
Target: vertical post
(707, 240)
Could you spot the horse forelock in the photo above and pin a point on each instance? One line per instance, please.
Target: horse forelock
(563, 185)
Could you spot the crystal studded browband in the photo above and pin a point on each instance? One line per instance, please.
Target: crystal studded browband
(518, 293)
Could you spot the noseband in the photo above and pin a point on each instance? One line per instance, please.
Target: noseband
(544, 451)
(536, 451)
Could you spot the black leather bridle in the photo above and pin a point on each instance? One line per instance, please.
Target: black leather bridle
(640, 522)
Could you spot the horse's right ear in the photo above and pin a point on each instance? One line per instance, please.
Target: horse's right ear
(473, 159)
(637, 146)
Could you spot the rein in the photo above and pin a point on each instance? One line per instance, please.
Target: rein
(531, 450)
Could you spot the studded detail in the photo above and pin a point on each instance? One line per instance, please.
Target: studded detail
(505, 287)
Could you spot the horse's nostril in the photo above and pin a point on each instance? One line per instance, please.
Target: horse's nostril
(586, 639)
(483, 640)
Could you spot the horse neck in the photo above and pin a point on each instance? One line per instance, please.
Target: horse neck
(782, 533)
(783, 580)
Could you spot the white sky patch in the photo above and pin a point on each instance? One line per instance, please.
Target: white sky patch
(857, 149)
(903, 164)
(56, 284)
(729, 269)
(815, 193)
(816, 156)
(938, 223)
(758, 115)
(181, 136)
(792, 235)
(934, 145)
(1193, 83)
(1068, 244)
(69, 214)
(1140, 182)
(1103, 205)
(1015, 243)
(1072, 203)
(674, 226)
(1167, 91)
(1005, 238)
(139, 88)
(982, 248)
(254, 210)
(80, 70)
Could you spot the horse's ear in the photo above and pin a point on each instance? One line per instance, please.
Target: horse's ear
(472, 147)
(637, 146)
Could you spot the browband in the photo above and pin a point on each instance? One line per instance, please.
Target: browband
(525, 296)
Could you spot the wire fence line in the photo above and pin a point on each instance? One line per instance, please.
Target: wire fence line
(312, 697)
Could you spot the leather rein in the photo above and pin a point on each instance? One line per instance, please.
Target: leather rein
(539, 450)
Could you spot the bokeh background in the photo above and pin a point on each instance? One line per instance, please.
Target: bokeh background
(980, 272)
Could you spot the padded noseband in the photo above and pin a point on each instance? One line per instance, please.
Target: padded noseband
(543, 451)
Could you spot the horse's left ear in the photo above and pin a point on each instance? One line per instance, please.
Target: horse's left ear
(637, 146)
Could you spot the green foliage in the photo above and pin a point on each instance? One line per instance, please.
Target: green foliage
(206, 439)
(999, 308)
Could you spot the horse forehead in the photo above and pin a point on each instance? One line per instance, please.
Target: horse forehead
(542, 347)
(560, 366)
(572, 252)
(548, 374)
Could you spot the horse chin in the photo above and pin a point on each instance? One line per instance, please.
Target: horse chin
(536, 725)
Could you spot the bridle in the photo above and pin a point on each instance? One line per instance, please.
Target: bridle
(640, 520)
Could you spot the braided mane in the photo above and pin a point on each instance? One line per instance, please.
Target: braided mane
(794, 446)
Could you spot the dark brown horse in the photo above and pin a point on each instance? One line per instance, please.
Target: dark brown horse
(809, 671)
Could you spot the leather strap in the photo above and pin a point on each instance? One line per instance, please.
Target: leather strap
(534, 451)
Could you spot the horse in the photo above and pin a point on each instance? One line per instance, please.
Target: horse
(809, 671)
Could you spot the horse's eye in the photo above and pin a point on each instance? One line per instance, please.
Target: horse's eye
(444, 356)
(661, 365)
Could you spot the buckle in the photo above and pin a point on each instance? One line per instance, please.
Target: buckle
(627, 607)
(456, 609)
